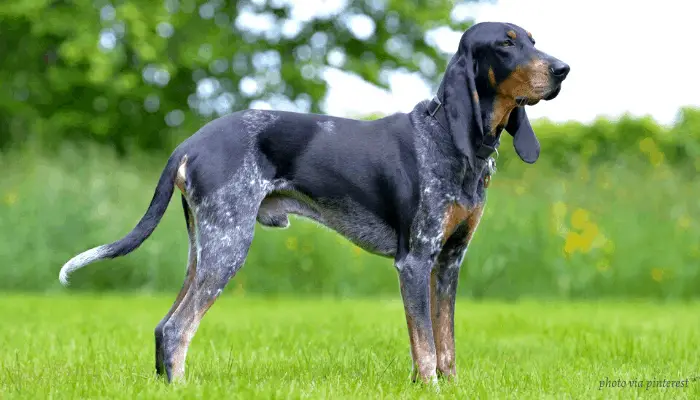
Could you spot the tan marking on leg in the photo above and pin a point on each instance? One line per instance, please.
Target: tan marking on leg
(179, 354)
(189, 275)
(442, 307)
(444, 337)
(422, 354)
(512, 34)
(442, 313)
(192, 314)
(454, 215)
(457, 214)
(181, 177)
(424, 360)
(475, 95)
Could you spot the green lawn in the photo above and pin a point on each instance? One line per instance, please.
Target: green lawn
(82, 346)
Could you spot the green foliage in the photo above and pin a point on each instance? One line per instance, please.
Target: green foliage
(609, 210)
(143, 73)
(102, 347)
(604, 140)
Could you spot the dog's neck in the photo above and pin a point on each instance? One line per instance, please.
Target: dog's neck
(495, 111)
(494, 108)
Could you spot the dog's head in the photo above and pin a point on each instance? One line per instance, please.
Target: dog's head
(503, 72)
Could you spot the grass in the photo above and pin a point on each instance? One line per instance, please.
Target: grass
(86, 346)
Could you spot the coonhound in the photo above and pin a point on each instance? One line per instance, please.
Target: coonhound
(410, 186)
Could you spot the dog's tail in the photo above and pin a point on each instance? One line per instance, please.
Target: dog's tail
(146, 226)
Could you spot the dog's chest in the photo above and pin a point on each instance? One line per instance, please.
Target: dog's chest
(461, 216)
(457, 206)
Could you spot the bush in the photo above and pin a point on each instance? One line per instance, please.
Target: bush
(609, 210)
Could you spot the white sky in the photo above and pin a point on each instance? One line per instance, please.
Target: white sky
(625, 56)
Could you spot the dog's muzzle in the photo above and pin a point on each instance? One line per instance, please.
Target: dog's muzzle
(553, 94)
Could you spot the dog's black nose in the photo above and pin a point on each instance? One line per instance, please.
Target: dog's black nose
(559, 69)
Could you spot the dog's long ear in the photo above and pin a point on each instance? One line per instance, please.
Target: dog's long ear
(462, 100)
(524, 140)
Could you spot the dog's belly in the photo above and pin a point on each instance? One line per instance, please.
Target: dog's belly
(346, 217)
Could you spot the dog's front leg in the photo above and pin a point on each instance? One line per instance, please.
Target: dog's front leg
(414, 277)
(442, 301)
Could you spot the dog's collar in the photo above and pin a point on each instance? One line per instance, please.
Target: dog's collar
(488, 144)
(433, 107)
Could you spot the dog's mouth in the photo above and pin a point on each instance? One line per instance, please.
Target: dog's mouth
(522, 101)
(553, 93)
(550, 94)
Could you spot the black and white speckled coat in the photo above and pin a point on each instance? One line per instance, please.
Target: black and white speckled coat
(410, 186)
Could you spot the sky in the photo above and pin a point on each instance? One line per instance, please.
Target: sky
(625, 57)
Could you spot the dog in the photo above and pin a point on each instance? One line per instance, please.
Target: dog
(409, 186)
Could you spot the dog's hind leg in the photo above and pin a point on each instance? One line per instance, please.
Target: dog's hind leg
(191, 268)
(225, 224)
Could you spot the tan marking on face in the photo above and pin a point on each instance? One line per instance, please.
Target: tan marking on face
(530, 80)
(529, 35)
(181, 177)
(492, 77)
(512, 34)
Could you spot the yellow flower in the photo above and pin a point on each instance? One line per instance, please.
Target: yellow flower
(683, 222)
(579, 218)
(647, 145)
(657, 274)
(559, 209)
(292, 243)
(10, 198)
(356, 250)
(656, 157)
(573, 243)
(589, 234)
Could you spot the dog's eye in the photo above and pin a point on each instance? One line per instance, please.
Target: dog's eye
(507, 43)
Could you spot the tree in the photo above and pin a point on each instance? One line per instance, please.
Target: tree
(146, 73)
